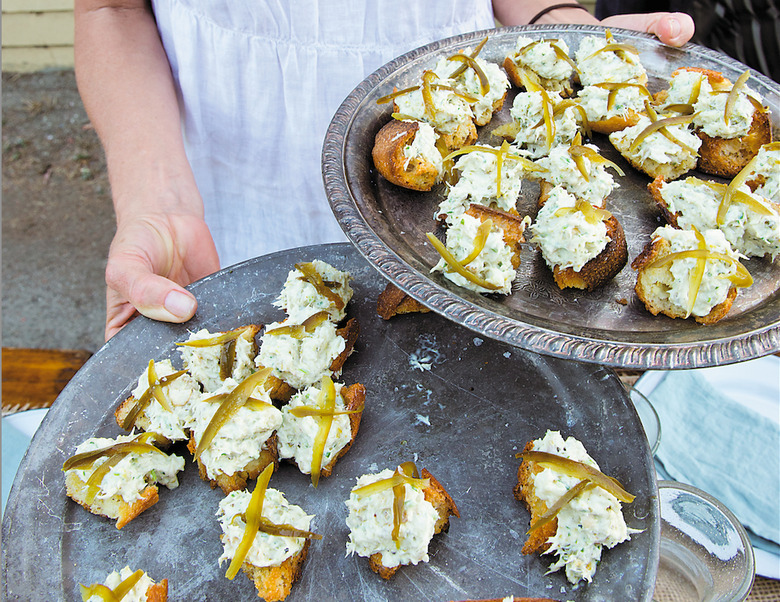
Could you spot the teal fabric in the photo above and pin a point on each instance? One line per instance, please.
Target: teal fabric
(712, 442)
(15, 444)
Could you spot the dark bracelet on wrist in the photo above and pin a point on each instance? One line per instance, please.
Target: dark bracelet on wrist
(553, 7)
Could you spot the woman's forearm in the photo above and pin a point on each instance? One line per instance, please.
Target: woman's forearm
(127, 88)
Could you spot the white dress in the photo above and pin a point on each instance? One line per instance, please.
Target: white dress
(258, 84)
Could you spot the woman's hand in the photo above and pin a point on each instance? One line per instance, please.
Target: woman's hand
(674, 29)
(152, 258)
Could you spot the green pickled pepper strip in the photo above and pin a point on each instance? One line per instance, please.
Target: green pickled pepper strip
(96, 478)
(553, 511)
(143, 401)
(579, 470)
(733, 95)
(484, 83)
(97, 589)
(155, 388)
(456, 265)
(284, 530)
(229, 406)
(254, 512)
(327, 401)
(297, 331)
(473, 55)
(218, 339)
(658, 125)
(86, 459)
(227, 357)
(313, 277)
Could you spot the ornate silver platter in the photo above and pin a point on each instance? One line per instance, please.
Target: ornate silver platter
(437, 394)
(610, 326)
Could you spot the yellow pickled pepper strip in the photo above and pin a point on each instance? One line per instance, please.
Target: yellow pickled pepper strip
(96, 478)
(427, 94)
(97, 589)
(698, 273)
(483, 231)
(573, 468)
(473, 55)
(218, 339)
(254, 513)
(83, 459)
(312, 276)
(738, 180)
(455, 264)
(229, 406)
(741, 278)
(399, 499)
(399, 476)
(733, 95)
(157, 390)
(484, 83)
(553, 511)
(109, 595)
(327, 402)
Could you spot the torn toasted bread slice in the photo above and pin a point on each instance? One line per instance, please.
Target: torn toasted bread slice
(405, 154)
(392, 301)
(670, 292)
(274, 562)
(426, 511)
(297, 436)
(118, 478)
(727, 156)
(594, 249)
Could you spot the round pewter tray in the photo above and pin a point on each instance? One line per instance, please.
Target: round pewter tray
(438, 395)
(609, 326)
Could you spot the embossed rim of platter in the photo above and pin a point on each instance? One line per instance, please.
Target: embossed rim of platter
(626, 354)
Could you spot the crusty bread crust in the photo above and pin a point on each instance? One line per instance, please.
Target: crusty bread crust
(727, 156)
(464, 134)
(157, 592)
(497, 105)
(525, 492)
(393, 301)
(649, 280)
(227, 483)
(114, 507)
(615, 123)
(273, 583)
(445, 507)
(349, 332)
(602, 268)
(655, 192)
(416, 173)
